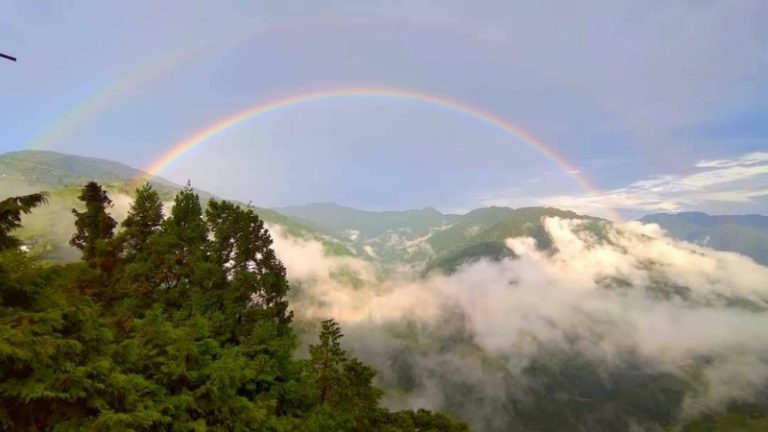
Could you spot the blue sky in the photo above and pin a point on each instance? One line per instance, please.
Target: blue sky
(663, 106)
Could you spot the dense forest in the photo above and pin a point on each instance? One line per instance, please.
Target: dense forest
(171, 323)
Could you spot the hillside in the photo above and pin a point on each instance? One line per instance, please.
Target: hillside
(427, 237)
(345, 221)
(48, 229)
(745, 234)
(481, 234)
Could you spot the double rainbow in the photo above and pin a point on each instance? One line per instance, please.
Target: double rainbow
(200, 137)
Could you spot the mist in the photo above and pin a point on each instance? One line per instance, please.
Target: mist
(627, 303)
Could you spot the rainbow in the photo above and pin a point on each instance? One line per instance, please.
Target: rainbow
(83, 112)
(182, 147)
(68, 123)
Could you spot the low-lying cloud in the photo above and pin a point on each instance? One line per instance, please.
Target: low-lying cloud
(628, 298)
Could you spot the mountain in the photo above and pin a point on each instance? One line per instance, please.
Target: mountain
(428, 237)
(33, 170)
(482, 233)
(745, 234)
(386, 236)
(48, 229)
(347, 221)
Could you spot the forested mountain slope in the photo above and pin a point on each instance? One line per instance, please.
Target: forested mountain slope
(47, 230)
(745, 234)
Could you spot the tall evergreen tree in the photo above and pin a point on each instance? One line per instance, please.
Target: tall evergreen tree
(11, 210)
(326, 360)
(179, 253)
(94, 225)
(144, 219)
(186, 220)
(242, 245)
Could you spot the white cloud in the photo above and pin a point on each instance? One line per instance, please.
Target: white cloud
(740, 180)
(749, 159)
(636, 290)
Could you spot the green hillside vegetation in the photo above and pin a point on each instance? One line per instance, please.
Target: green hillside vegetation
(427, 237)
(740, 418)
(745, 234)
(47, 230)
(481, 234)
(171, 324)
(339, 220)
(36, 169)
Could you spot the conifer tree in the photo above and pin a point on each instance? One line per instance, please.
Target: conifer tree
(242, 245)
(94, 225)
(186, 220)
(326, 360)
(11, 210)
(144, 219)
(179, 253)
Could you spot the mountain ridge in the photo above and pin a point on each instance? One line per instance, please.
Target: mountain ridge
(744, 234)
(423, 236)
(62, 175)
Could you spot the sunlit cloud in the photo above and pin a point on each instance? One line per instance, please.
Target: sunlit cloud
(740, 180)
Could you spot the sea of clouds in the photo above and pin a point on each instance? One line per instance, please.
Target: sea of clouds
(633, 289)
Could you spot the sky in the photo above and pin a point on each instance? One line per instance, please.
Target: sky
(659, 106)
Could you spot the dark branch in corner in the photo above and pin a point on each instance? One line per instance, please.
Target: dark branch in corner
(7, 57)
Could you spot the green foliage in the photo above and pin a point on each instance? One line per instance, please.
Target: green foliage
(47, 231)
(337, 220)
(11, 210)
(144, 219)
(186, 329)
(481, 234)
(94, 225)
(738, 418)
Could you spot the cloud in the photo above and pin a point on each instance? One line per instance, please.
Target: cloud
(630, 291)
(741, 180)
(746, 160)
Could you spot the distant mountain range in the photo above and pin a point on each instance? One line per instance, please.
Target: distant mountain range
(443, 241)
(745, 234)
(423, 237)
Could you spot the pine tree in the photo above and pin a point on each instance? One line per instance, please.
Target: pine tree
(178, 254)
(11, 210)
(186, 220)
(243, 247)
(56, 366)
(94, 225)
(326, 360)
(144, 219)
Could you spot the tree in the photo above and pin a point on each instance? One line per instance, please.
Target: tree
(342, 386)
(11, 210)
(144, 219)
(178, 253)
(242, 246)
(94, 225)
(186, 220)
(56, 365)
(187, 331)
(326, 360)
